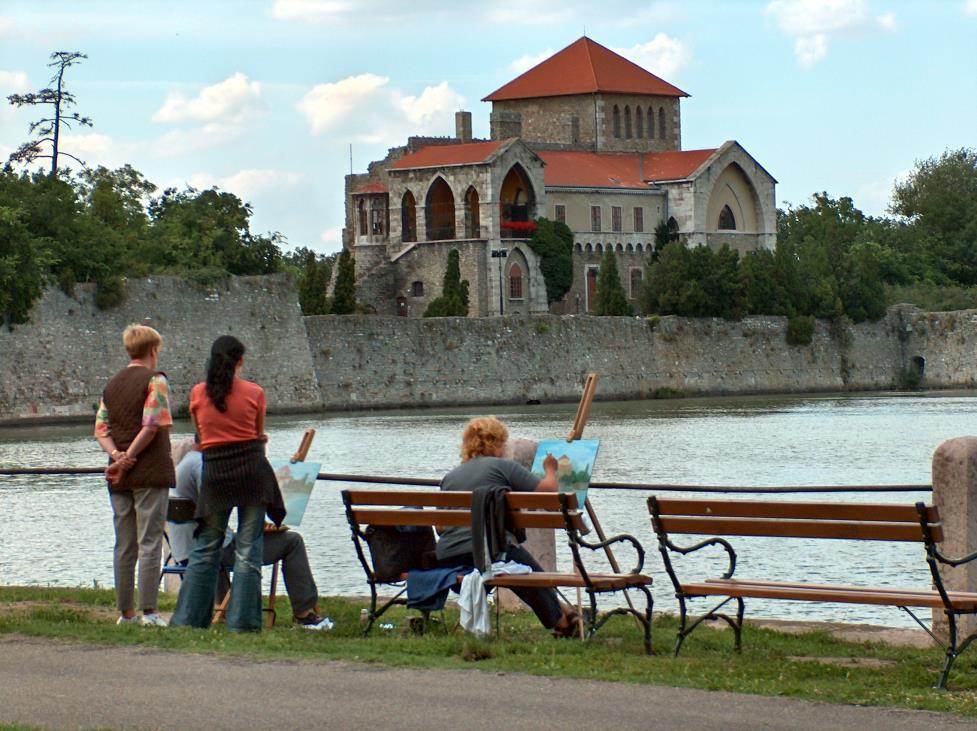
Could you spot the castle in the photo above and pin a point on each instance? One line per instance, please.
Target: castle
(586, 138)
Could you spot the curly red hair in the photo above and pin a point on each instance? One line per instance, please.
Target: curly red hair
(483, 437)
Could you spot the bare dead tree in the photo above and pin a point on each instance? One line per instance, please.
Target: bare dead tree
(48, 129)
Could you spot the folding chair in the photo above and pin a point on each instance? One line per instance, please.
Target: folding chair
(179, 511)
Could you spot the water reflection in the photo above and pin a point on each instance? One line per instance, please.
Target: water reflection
(58, 530)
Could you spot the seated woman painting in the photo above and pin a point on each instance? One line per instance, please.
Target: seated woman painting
(482, 465)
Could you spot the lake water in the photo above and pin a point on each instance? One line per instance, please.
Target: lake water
(58, 530)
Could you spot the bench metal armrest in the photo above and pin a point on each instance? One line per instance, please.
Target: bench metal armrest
(938, 555)
(684, 550)
(623, 538)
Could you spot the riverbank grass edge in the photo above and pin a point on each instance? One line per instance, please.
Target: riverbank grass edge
(814, 666)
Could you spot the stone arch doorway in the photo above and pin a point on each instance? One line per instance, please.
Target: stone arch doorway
(517, 284)
(517, 202)
(734, 204)
(439, 210)
(472, 221)
(408, 218)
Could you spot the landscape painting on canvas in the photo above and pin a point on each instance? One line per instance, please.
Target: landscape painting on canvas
(575, 464)
(296, 480)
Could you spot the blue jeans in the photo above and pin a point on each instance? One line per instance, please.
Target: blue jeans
(195, 605)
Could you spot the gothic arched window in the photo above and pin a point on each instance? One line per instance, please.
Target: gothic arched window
(651, 123)
(627, 122)
(727, 221)
(661, 123)
(617, 121)
(515, 282)
(639, 123)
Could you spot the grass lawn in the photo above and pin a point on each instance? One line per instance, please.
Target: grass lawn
(813, 666)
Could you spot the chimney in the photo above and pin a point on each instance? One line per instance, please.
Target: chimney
(463, 126)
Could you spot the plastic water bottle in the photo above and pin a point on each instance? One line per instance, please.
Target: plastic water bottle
(364, 617)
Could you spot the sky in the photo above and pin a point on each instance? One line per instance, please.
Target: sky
(263, 98)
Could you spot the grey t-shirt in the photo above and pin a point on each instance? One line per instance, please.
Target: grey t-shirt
(480, 472)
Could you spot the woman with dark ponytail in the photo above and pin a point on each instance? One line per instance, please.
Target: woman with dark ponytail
(229, 415)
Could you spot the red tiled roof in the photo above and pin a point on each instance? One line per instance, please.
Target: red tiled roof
(583, 67)
(441, 155)
(373, 186)
(611, 170)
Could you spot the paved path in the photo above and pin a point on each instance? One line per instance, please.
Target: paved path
(52, 684)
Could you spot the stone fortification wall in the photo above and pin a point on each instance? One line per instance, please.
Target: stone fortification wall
(390, 362)
(57, 365)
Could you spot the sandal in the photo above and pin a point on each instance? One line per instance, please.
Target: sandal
(574, 622)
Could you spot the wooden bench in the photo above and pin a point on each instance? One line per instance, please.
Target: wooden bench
(555, 511)
(875, 522)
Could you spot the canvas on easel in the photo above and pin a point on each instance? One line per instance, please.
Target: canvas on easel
(575, 464)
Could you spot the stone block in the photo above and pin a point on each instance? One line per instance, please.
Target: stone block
(955, 494)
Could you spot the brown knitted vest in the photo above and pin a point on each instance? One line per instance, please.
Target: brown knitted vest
(124, 397)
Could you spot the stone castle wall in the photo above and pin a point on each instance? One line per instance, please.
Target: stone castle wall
(56, 365)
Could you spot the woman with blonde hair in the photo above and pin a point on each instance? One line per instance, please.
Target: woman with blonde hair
(482, 465)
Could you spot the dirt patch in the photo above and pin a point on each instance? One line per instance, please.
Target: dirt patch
(845, 662)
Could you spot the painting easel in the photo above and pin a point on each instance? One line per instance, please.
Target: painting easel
(576, 432)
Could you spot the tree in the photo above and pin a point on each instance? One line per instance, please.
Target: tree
(553, 243)
(344, 293)
(611, 299)
(48, 129)
(314, 272)
(24, 262)
(453, 301)
(939, 202)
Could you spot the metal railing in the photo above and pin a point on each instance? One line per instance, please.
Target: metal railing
(627, 486)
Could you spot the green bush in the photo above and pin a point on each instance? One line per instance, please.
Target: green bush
(109, 292)
(800, 330)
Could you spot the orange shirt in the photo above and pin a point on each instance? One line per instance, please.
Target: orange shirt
(239, 423)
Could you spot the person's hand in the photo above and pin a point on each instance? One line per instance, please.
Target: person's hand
(115, 472)
(549, 463)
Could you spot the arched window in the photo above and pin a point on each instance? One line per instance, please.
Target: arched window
(364, 224)
(440, 211)
(627, 122)
(651, 123)
(515, 282)
(408, 218)
(661, 123)
(599, 249)
(378, 216)
(727, 221)
(638, 247)
(619, 249)
(617, 121)
(639, 123)
(590, 249)
(472, 227)
(636, 278)
(672, 229)
(629, 248)
(579, 248)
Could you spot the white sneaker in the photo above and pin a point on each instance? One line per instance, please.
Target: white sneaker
(324, 625)
(128, 620)
(153, 620)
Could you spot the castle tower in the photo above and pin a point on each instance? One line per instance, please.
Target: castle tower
(587, 97)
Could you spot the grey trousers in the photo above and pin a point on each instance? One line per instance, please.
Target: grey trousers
(139, 517)
(289, 548)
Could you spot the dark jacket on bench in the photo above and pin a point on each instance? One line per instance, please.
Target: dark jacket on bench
(489, 527)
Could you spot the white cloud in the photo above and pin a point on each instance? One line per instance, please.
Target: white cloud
(182, 141)
(332, 238)
(810, 49)
(364, 108)
(6, 26)
(11, 82)
(233, 100)
(662, 55)
(250, 183)
(524, 63)
(812, 23)
(970, 7)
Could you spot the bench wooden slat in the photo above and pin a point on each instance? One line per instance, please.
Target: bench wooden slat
(847, 529)
(876, 512)
(456, 499)
(956, 595)
(457, 518)
(553, 579)
(842, 595)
